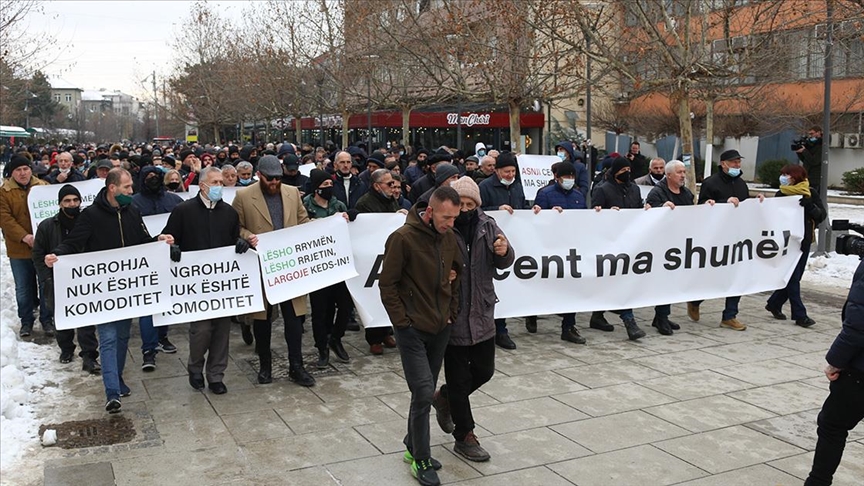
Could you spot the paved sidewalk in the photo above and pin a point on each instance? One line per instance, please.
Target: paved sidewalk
(707, 406)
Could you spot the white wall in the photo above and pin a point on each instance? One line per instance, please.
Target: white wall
(842, 160)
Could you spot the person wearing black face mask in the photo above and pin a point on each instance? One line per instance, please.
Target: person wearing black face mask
(50, 234)
(331, 306)
(616, 192)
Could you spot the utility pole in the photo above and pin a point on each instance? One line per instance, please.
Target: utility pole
(826, 124)
(156, 103)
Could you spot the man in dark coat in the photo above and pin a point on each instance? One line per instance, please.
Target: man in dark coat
(64, 172)
(567, 153)
(726, 186)
(346, 186)
(49, 235)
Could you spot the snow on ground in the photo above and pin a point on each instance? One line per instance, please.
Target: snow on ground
(32, 385)
(835, 270)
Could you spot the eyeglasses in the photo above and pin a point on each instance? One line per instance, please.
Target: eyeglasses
(270, 178)
(389, 184)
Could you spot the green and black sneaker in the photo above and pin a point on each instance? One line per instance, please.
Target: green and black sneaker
(409, 459)
(425, 474)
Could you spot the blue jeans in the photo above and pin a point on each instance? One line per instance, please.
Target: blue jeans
(113, 346)
(150, 335)
(27, 292)
(792, 292)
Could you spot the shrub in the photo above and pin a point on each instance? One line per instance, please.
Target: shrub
(769, 172)
(853, 181)
(700, 169)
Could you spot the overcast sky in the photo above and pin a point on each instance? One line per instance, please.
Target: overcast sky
(116, 45)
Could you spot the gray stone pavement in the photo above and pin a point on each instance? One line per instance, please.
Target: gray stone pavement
(706, 406)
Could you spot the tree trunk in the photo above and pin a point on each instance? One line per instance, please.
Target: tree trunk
(515, 126)
(346, 115)
(685, 127)
(298, 131)
(215, 133)
(709, 138)
(406, 125)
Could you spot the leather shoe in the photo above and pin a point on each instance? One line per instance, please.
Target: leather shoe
(246, 330)
(377, 349)
(693, 311)
(339, 350)
(218, 388)
(502, 340)
(777, 313)
(389, 342)
(572, 335)
(662, 325)
(599, 322)
(323, 359)
(91, 366)
(805, 322)
(531, 324)
(67, 356)
(299, 375)
(196, 381)
(265, 369)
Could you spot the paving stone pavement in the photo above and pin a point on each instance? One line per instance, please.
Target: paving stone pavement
(706, 406)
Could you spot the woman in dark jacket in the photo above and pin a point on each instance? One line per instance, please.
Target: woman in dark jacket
(794, 182)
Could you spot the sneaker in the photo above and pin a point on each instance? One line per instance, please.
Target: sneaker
(408, 459)
(91, 366)
(125, 391)
(777, 313)
(662, 325)
(633, 330)
(149, 363)
(339, 350)
(113, 405)
(389, 342)
(165, 346)
(48, 329)
(599, 322)
(25, 331)
(470, 449)
(424, 472)
(377, 349)
(442, 411)
(246, 330)
(805, 322)
(572, 335)
(693, 311)
(733, 324)
(502, 340)
(531, 324)
(67, 356)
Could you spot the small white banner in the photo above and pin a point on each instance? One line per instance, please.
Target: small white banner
(306, 169)
(190, 193)
(582, 260)
(536, 172)
(107, 286)
(156, 223)
(43, 204)
(208, 284)
(305, 258)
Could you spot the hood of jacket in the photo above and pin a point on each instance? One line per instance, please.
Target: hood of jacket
(568, 147)
(145, 171)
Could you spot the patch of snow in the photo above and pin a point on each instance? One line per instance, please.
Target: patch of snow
(835, 270)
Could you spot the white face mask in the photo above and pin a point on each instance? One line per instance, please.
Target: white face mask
(568, 184)
(507, 182)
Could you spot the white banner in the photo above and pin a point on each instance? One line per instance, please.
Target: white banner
(43, 204)
(106, 286)
(305, 258)
(536, 172)
(208, 284)
(156, 223)
(190, 193)
(306, 169)
(582, 260)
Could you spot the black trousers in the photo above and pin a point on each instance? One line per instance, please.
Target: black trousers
(86, 339)
(376, 335)
(263, 329)
(466, 368)
(331, 309)
(842, 411)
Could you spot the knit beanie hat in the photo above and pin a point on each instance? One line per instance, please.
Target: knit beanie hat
(465, 186)
(67, 190)
(565, 169)
(444, 171)
(618, 164)
(317, 177)
(507, 159)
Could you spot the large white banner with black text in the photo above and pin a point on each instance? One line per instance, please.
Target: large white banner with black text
(582, 260)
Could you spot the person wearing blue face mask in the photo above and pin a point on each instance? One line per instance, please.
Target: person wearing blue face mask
(725, 186)
(202, 223)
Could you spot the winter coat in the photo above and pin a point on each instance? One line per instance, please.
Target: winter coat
(583, 181)
(814, 213)
(356, 190)
(421, 185)
(255, 220)
(645, 180)
(610, 194)
(374, 202)
(48, 236)
(73, 176)
(661, 193)
(316, 212)
(847, 351)
(415, 281)
(494, 194)
(411, 174)
(639, 165)
(811, 159)
(476, 321)
(104, 227)
(149, 203)
(721, 186)
(195, 227)
(555, 195)
(15, 216)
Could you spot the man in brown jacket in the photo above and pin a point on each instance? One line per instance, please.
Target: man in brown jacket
(268, 205)
(18, 232)
(419, 288)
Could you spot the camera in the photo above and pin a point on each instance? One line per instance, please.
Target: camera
(802, 142)
(848, 244)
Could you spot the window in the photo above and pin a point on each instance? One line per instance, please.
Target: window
(57, 98)
(68, 98)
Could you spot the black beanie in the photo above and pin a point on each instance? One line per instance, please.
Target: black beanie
(565, 169)
(507, 159)
(618, 164)
(317, 177)
(18, 161)
(184, 154)
(67, 190)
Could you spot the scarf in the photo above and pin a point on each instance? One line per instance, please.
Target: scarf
(800, 189)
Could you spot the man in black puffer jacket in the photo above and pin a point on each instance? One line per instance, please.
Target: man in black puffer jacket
(617, 192)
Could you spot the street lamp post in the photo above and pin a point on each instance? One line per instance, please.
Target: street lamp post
(369, 114)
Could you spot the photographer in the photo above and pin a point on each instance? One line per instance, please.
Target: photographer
(844, 407)
(809, 150)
